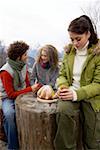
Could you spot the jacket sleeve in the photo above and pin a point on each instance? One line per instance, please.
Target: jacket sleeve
(53, 79)
(62, 77)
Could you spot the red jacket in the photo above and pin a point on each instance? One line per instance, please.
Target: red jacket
(7, 81)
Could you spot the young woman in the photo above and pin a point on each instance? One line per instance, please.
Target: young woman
(79, 88)
(45, 69)
(13, 82)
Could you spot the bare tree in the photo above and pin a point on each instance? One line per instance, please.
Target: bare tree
(93, 11)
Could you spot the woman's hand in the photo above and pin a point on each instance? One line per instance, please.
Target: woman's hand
(55, 96)
(65, 94)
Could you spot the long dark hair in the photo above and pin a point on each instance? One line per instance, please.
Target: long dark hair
(82, 25)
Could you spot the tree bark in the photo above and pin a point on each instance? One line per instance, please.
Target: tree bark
(36, 122)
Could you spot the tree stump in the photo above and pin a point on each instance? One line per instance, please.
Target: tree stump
(36, 123)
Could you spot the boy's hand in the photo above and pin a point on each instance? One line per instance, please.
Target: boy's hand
(35, 87)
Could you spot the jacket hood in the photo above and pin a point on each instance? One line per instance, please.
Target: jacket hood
(95, 49)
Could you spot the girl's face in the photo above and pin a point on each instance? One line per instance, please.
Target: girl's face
(24, 57)
(79, 40)
(44, 56)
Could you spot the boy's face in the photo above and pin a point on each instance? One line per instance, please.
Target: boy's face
(24, 57)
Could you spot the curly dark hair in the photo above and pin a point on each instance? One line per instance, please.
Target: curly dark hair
(17, 49)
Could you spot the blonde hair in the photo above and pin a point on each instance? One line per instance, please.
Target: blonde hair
(52, 54)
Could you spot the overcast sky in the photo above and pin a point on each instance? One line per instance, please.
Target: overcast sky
(38, 21)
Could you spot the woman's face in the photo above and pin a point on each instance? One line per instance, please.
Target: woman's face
(79, 40)
(44, 56)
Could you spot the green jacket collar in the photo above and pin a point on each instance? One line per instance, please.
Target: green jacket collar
(94, 50)
(70, 60)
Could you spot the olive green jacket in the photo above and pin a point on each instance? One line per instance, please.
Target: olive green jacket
(90, 77)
